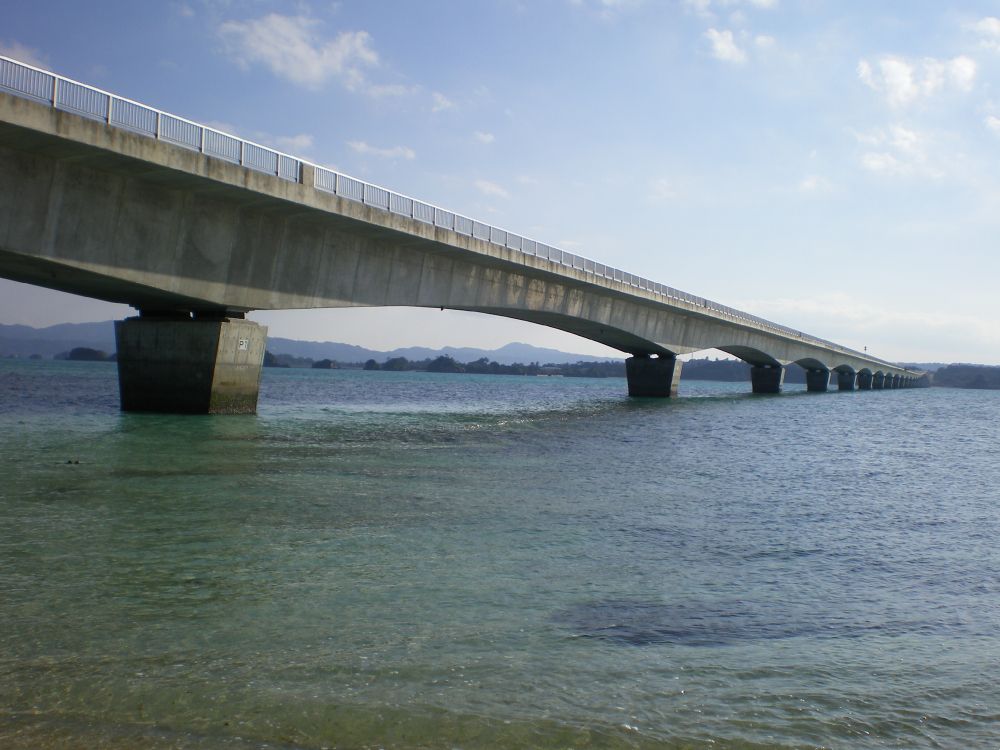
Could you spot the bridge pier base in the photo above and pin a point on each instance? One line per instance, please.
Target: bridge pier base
(846, 380)
(189, 366)
(653, 377)
(767, 378)
(817, 381)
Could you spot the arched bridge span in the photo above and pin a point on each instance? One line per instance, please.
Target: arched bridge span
(194, 228)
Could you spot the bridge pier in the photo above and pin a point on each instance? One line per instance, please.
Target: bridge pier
(653, 377)
(846, 380)
(767, 378)
(878, 381)
(817, 380)
(180, 365)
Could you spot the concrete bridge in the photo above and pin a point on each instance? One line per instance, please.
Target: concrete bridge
(108, 198)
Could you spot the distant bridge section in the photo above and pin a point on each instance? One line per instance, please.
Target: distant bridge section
(108, 198)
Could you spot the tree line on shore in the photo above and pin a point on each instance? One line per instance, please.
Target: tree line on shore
(447, 364)
(982, 377)
(696, 369)
(985, 377)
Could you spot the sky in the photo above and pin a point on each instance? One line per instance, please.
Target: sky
(828, 164)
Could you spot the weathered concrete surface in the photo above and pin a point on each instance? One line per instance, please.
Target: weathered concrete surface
(189, 366)
(655, 377)
(110, 214)
(846, 380)
(767, 378)
(817, 381)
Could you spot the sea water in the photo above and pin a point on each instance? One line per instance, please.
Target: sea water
(415, 560)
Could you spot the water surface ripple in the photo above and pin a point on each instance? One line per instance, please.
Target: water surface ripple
(436, 561)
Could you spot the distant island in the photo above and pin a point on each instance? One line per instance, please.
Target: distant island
(968, 376)
(84, 354)
(92, 342)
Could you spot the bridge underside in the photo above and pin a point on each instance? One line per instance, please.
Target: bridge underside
(102, 212)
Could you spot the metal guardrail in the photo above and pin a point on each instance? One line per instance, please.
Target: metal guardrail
(72, 96)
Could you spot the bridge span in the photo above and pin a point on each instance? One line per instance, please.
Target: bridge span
(108, 198)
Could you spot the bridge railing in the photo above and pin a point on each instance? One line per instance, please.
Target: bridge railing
(72, 96)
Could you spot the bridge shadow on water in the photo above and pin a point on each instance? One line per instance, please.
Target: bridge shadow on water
(630, 622)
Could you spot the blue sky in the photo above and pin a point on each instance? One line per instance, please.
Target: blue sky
(831, 165)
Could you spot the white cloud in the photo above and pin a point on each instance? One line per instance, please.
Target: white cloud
(962, 72)
(606, 9)
(441, 102)
(764, 41)
(989, 30)
(704, 8)
(485, 137)
(380, 91)
(899, 152)
(993, 123)
(661, 190)
(904, 82)
(292, 49)
(23, 53)
(724, 46)
(883, 163)
(906, 141)
(858, 322)
(814, 184)
(396, 152)
(700, 7)
(295, 144)
(491, 189)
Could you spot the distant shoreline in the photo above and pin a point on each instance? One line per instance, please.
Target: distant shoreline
(96, 342)
(972, 377)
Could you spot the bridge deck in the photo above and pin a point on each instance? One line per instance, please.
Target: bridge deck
(55, 127)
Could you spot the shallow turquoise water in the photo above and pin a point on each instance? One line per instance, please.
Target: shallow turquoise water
(417, 560)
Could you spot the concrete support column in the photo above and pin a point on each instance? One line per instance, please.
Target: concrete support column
(767, 378)
(307, 175)
(817, 381)
(185, 366)
(865, 381)
(655, 377)
(878, 381)
(846, 380)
